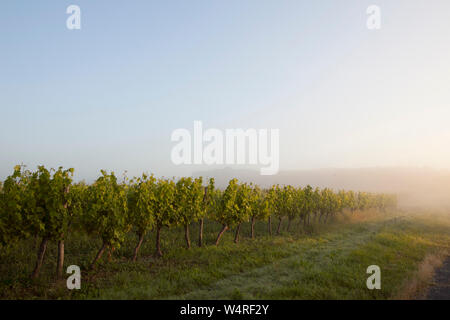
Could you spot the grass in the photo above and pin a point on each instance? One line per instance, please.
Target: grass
(322, 262)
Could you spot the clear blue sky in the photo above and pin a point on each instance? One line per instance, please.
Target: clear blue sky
(109, 95)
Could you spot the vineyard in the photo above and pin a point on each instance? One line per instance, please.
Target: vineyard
(47, 206)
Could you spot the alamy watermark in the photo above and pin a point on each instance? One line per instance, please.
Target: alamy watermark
(374, 281)
(74, 280)
(231, 146)
(374, 18)
(73, 22)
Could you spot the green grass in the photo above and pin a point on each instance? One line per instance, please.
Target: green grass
(323, 262)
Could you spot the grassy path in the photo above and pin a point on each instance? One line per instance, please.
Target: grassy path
(328, 262)
(332, 266)
(329, 265)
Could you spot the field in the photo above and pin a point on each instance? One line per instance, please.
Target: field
(317, 262)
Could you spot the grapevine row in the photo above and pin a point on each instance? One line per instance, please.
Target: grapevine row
(47, 204)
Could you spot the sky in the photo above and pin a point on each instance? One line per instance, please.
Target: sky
(108, 96)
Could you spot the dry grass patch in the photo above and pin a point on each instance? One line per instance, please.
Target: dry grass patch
(416, 286)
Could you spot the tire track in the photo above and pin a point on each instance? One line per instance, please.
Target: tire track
(441, 288)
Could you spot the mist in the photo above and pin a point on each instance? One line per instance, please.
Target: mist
(415, 187)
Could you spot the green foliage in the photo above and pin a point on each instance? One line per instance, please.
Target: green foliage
(36, 203)
(142, 203)
(165, 212)
(13, 207)
(276, 201)
(189, 200)
(235, 204)
(308, 205)
(77, 204)
(260, 202)
(106, 213)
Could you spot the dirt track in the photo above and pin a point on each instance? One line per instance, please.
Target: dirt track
(440, 290)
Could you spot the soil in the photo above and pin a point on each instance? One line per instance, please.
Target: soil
(440, 290)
